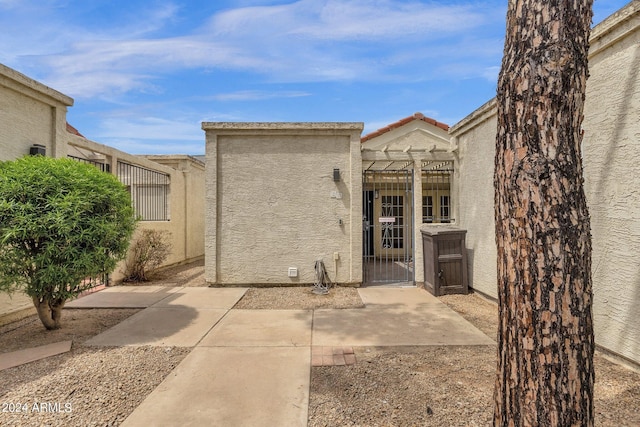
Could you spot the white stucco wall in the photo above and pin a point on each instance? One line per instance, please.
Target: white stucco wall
(475, 138)
(611, 151)
(30, 113)
(272, 202)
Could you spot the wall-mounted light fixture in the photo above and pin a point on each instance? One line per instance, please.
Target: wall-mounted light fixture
(336, 175)
(376, 194)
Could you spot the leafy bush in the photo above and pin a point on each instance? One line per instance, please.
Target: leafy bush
(147, 253)
(61, 221)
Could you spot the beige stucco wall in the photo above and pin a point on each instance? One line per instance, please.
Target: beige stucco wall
(611, 153)
(272, 203)
(473, 194)
(30, 113)
(193, 172)
(186, 198)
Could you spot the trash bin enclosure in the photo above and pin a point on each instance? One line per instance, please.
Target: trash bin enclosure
(445, 260)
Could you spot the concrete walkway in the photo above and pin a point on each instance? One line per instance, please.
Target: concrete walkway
(252, 367)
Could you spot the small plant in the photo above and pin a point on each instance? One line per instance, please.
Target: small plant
(148, 252)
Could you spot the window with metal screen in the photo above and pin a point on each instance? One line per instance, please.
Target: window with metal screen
(427, 209)
(444, 208)
(436, 193)
(149, 191)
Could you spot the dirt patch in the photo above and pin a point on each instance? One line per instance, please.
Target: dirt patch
(445, 386)
(410, 386)
(86, 386)
(299, 298)
(187, 275)
(78, 325)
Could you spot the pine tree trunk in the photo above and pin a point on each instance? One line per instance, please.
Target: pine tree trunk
(49, 312)
(545, 339)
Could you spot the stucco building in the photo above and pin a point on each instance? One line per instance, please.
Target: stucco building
(408, 169)
(279, 197)
(271, 204)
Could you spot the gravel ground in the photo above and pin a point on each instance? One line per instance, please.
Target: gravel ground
(444, 386)
(87, 386)
(299, 298)
(400, 386)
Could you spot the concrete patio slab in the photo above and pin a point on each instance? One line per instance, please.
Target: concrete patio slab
(394, 327)
(409, 298)
(20, 357)
(168, 326)
(203, 298)
(123, 297)
(270, 328)
(247, 386)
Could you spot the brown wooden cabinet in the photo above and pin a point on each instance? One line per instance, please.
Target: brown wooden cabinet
(445, 260)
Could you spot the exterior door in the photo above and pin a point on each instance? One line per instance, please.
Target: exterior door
(388, 243)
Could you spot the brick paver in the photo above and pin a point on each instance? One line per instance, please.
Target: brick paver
(332, 356)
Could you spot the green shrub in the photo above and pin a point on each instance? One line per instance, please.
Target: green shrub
(61, 221)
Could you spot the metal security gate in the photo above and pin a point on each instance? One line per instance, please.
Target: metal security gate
(149, 190)
(387, 229)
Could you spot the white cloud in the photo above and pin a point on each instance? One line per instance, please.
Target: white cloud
(257, 95)
(353, 20)
(303, 41)
(150, 128)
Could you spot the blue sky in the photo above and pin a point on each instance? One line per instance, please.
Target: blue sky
(145, 73)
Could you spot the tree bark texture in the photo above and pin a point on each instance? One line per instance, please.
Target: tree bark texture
(545, 338)
(49, 311)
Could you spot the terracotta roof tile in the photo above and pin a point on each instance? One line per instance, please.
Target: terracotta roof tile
(402, 122)
(73, 130)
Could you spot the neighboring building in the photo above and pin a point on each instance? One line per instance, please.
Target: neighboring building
(167, 191)
(32, 116)
(32, 119)
(611, 154)
(273, 203)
